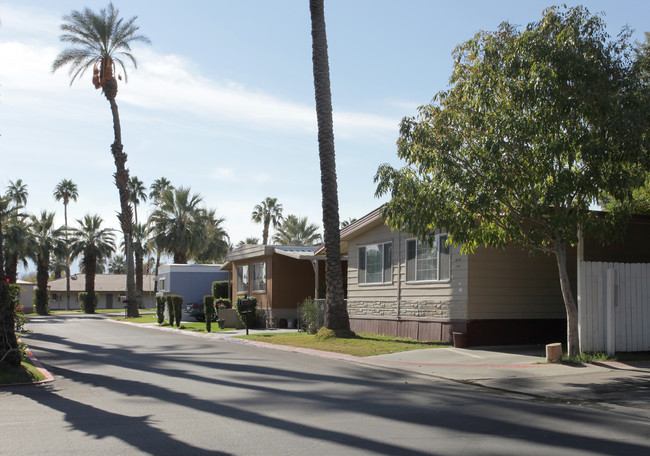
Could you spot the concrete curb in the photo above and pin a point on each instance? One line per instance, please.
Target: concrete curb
(48, 377)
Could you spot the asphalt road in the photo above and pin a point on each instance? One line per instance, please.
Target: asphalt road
(123, 390)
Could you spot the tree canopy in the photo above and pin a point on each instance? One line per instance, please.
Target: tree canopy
(535, 124)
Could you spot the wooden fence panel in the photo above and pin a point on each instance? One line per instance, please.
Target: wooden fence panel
(631, 323)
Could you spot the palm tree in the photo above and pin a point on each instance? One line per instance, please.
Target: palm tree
(44, 240)
(249, 241)
(178, 224)
(17, 192)
(137, 191)
(217, 243)
(16, 238)
(156, 190)
(268, 212)
(348, 222)
(9, 353)
(66, 190)
(297, 231)
(102, 41)
(141, 248)
(117, 264)
(336, 315)
(94, 245)
(58, 260)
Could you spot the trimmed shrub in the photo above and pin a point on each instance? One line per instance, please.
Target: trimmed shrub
(88, 303)
(247, 305)
(223, 302)
(170, 309)
(208, 309)
(160, 309)
(41, 301)
(220, 289)
(178, 309)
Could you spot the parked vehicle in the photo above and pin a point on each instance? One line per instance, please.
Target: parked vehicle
(195, 309)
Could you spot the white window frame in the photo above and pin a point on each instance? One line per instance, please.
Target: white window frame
(386, 265)
(244, 283)
(161, 284)
(262, 281)
(411, 276)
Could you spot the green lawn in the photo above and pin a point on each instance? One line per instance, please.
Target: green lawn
(25, 373)
(153, 318)
(362, 345)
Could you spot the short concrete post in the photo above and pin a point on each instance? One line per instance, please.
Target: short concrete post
(554, 352)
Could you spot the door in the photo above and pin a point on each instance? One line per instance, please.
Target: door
(109, 301)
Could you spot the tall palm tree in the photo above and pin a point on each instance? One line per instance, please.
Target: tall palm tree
(178, 224)
(9, 353)
(65, 191)
(102, 41)
(141, 248)
(297, 231)
(44, 240)
(268, 212)
(16, 245)
(217, 244)
(156, 190)
(138, 193)
(58, 260)
(336, 315)
(93, 244)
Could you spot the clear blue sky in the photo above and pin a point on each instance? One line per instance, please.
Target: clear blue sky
(223, 99)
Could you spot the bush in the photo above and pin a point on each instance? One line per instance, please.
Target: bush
(41, 301)
(208, 309)
(220, 289)
(311, 315)
(88, 303)
(170, 309)
(160, 309)
(247, 305)
(178, 309)
(223, 302)
(19, 311)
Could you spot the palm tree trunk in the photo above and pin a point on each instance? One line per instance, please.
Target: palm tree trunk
(121, 182)
(67, 257)
(336, 315)
(90, 266)
(42, 274)
(139, 279)
(12, 268)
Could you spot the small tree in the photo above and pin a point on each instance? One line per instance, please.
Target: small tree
(535, 126)
(208, 308)
(160, 309)
(221, 289)
(177, 301)
(170, 309)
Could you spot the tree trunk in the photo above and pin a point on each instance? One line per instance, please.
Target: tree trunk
(42, 275)
(67, 257)
(121, 182)
(336, 314)
(569, 302)
(90, 266)
(139, 279)
(265, 233)
(12, 268)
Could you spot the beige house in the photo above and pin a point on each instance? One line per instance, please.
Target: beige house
(110, 287)
(400, 287)
(27, 295)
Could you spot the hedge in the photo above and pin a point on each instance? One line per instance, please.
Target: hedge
(220, 289)
(87, 305)
(160, 309)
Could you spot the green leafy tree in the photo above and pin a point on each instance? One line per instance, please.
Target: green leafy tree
(178, 224)
(102, 41)
(66, 191)
(138, 193)
(297, 231)
(336, 315)
(94, 245)
(535, 125)
(268, 213)
(44, 240)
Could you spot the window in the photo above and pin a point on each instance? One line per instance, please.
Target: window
(427, 262)
(242, 279)
(259, 277)
(161, 284)
(375, 263)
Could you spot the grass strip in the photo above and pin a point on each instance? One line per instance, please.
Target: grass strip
(25, 373)
(362, 345)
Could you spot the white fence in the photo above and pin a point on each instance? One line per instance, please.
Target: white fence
(614, 307)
